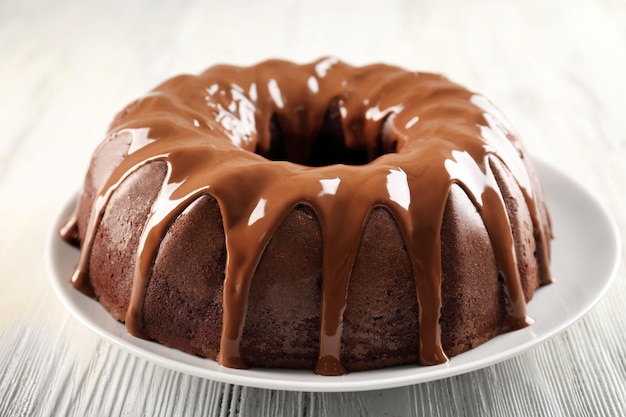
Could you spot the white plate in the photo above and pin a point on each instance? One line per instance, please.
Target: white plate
(585, 261)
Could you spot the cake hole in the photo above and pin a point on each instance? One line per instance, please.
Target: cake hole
(329, 146)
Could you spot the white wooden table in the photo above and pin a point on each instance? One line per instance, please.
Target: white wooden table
(557, 69)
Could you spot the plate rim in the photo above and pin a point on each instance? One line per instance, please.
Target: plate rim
(305, 380)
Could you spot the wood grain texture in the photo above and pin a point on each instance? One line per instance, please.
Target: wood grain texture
(555, 68)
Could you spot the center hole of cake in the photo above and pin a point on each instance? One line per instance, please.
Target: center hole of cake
(328, 147)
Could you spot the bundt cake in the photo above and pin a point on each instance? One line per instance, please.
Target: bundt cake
(318, 216)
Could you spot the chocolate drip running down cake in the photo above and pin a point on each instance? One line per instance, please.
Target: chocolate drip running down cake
(318, 216)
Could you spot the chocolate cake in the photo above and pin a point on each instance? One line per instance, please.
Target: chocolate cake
(318, 216)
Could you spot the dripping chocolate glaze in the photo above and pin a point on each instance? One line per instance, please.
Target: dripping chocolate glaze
(417, 134)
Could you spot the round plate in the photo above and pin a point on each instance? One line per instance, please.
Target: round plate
(587, 245)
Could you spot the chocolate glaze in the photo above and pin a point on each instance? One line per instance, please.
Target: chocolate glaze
(419, 132)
